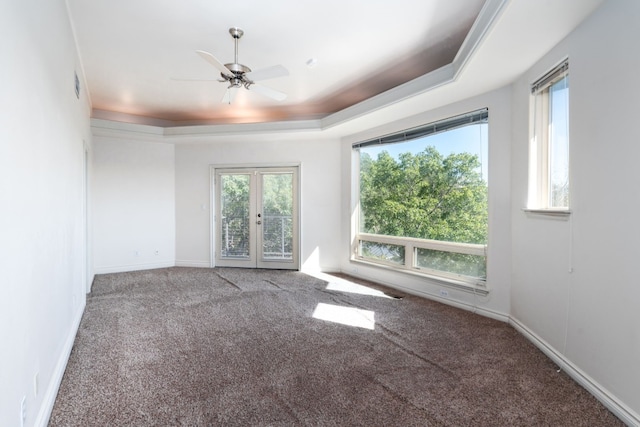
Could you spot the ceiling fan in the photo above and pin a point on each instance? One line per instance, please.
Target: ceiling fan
(239, 75)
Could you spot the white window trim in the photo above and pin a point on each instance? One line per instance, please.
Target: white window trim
(539, 162)
(436, 276)
(410, 245)
(562, 213)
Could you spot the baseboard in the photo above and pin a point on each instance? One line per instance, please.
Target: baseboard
(622, 411)
(191, 263)
(49, 398)
(91, 278)
(133, 267)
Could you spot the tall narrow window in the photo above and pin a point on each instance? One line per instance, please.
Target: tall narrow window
(549, 152)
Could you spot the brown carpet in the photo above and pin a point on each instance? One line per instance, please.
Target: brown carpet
(234, 347)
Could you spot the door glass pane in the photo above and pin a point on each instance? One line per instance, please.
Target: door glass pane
(234, 201)
(277, 219)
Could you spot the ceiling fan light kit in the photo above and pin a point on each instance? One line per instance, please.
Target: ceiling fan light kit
(238, 75)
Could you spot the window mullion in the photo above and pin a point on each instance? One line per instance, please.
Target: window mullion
(409, 255)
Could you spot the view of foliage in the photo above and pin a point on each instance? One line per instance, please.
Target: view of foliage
(277, 200)
(235, 215)
(277, 194)
(424, 195)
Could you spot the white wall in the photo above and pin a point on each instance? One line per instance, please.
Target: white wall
(496, 304)
(589, 317)
(43, 130)
(133, 204)
(319, 162)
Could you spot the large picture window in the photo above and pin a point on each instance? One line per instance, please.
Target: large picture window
(423, 199)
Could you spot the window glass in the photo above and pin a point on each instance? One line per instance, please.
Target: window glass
(393, 254)
(559, 143)
(432, 188)
(423, 199)
(549, 150)
(467, 265)
(235, 215)
(277, 216)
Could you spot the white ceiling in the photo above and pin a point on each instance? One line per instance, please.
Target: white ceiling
(134, 53)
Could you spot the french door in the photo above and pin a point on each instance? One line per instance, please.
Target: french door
(256, 218)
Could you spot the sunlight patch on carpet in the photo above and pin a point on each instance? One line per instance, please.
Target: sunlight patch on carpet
(343, 285)
(345, 315)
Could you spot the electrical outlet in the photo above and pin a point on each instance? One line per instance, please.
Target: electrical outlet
(444, 293)
(23, 411)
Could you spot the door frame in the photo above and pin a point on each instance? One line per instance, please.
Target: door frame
(297, 196)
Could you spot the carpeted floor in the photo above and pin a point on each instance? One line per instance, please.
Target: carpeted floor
(234, 347)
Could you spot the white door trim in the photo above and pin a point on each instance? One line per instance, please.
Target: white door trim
(297, 244)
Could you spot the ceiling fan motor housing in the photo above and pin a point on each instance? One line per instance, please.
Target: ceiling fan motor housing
(236, 32)
(238, 68)
(238, 75)
(237, 79)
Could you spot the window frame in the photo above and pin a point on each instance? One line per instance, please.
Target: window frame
(411, 245)
(540, 141)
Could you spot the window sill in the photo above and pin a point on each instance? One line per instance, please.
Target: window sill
(479, 289)
(558, 213)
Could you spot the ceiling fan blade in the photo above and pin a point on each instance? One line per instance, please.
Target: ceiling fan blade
(213, 61)
(267, 73)
(229, 95)
(268, 92)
